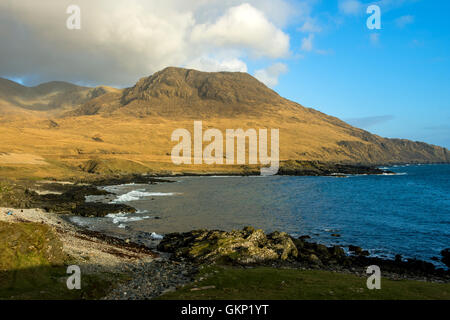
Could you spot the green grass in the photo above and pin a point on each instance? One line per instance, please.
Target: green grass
(291, 284)
(33, 266)
(49, 283)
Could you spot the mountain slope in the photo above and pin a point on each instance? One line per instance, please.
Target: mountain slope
(130, 129)
(51, 98)
(180, 94)
(189, 93)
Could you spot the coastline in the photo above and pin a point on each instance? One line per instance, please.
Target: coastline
(69, 198)
(68, 195)
(115, 261)
(137, 272)
(101, 253)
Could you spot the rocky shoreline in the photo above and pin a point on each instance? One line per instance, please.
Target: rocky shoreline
(182, 254)
(250, 247)
(179, 257)
(70, 197)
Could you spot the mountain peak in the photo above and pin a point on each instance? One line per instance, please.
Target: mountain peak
(225, 87)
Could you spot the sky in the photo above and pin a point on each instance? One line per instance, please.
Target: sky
(392, 81)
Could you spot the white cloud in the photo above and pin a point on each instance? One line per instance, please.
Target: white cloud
(269, 76)
(213, 64)
(404, 21)
(246, 26)
(310, 25)
(350, 7)
(388, 5)
(121, 41)
(307, 43)
(279, 12)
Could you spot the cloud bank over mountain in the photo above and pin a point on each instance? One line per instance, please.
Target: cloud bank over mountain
(120, 41)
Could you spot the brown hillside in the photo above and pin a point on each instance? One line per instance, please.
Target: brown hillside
(130, 129)
(51, 98)
(189, 93)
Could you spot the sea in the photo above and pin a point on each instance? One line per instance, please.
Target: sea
(405, 213)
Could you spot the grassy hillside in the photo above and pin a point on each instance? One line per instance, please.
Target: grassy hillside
(293, 284)
(33, 265)
(80, 129)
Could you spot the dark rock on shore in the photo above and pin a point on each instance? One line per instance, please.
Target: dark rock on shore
(248, 246)
(124, 179)
(358, 251)
(317, 168)
(100, 209)
(319, 254)
(63, 198)
(69, 198)
(446, 257)
(72, 201)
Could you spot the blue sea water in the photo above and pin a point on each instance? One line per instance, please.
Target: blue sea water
(407, 213)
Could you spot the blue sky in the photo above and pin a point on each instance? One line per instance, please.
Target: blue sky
(393, 82)
(397, 86)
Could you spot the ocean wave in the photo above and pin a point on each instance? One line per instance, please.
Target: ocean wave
(225, 176)
(140, 193)
(156, 236)
(393, 174)
(120, 218)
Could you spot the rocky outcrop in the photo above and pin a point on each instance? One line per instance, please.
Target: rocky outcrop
(70, 201)
(69, 198)
(254, 247)
(247, 246)
(250, 246)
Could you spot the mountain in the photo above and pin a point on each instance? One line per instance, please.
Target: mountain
(182, 92)
(132, 127)
(53, 98)
(176, 93)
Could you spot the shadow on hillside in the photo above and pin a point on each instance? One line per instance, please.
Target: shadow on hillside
(49, 283)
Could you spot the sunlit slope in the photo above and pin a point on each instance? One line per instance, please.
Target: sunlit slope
(131, 129)
(47, 99)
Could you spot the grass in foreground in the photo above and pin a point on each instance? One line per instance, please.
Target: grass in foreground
(289, 284)
(33, 266)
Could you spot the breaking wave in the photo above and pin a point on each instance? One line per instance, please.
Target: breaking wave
(139, 194)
